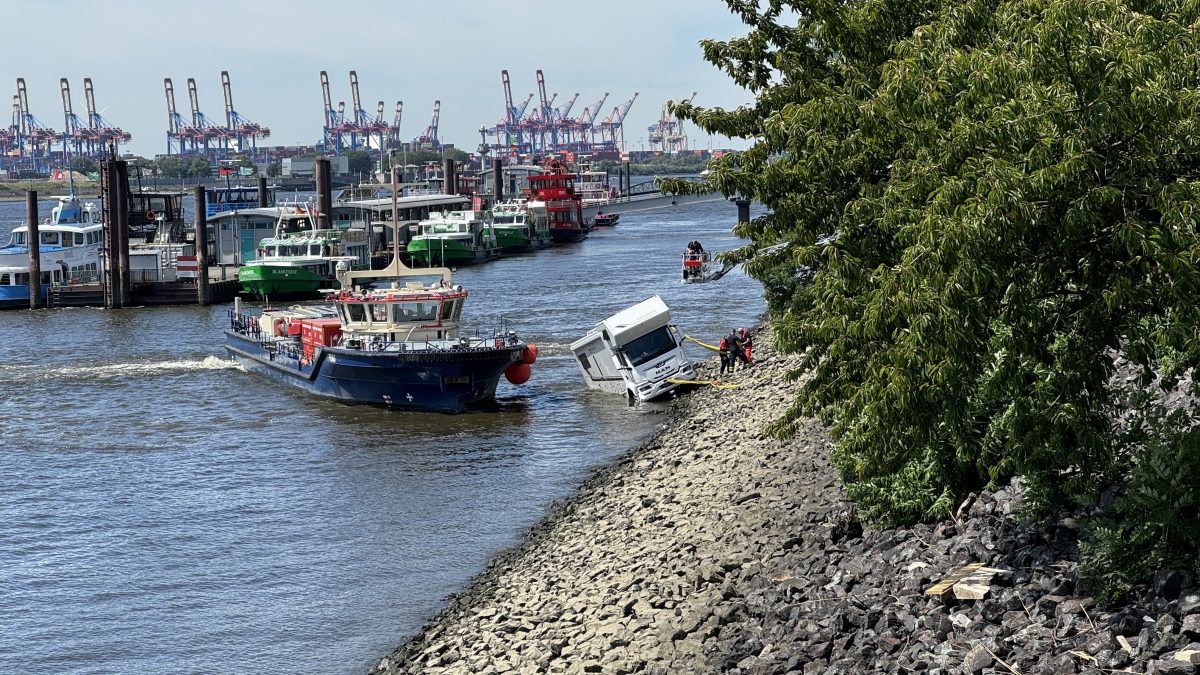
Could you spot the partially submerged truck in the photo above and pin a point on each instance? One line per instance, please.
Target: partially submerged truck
(636, 352)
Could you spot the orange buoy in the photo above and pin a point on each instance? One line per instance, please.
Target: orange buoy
(529, 355)
(518, 373)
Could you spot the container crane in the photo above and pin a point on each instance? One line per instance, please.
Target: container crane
(75, 133)
(238, 128)
(179, 130)
(103, 132)
(428, 140)
(394, 132)
(562, 121)
(334, 119)
(612, 132)
(33, 137)
(584, 125)
(211, 136)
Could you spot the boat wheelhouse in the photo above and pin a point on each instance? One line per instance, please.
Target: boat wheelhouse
(399, 344)
(514, 230)
(553, 200)
(300, 259)
(454, 238)
(236, 198)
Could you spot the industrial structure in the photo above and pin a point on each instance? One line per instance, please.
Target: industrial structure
(550, 130)
(95, 138)
(200, 136)
(359, 130)
(667, 133)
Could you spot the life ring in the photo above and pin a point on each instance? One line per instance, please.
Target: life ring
(151, 215)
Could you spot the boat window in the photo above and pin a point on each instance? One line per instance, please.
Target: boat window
(649, 346)
(18, 238)
(379, 312)
(448, 309)
(357, 312)
(79, 239)
(50, 238)
(67, 239)
(4, 279)
(22, 279)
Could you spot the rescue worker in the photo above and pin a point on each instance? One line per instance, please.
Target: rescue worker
(747, 344)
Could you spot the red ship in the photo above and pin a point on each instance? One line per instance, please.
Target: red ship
(552, 197)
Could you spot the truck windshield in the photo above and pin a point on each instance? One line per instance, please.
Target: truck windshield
(649, 346)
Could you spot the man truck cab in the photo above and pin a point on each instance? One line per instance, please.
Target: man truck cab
(635, 352)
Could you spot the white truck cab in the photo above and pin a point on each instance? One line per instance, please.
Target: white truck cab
(635, 352)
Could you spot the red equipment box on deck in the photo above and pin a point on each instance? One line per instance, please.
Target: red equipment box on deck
(318, 332)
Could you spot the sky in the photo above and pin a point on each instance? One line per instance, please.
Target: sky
(452, 50)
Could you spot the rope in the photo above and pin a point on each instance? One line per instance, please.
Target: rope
(716, 383)
(702, 344)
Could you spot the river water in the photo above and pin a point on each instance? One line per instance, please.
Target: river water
(162, 510)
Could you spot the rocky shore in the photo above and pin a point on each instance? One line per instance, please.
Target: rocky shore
(711, 548)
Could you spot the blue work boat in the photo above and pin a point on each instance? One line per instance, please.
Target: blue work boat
(397, 343)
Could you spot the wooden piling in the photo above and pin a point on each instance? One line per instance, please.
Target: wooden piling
(450, 179)
(497, 180)
(110, 188)
(321, 173)
(122, 177)
(628, 183)
(262, 192)
(202, 246)
(33, 238)
(743, 210)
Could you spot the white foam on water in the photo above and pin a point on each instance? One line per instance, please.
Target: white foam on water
(114, 371)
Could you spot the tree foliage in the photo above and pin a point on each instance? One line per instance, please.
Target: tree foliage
(999, 197)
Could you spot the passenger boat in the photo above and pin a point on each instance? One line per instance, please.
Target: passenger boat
(68, 251)
(605, 219)
(514, 230)
(553, 200)
(300, 259)
(453, 238)
(397, 344)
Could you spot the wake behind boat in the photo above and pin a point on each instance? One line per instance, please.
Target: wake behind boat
(399, 345)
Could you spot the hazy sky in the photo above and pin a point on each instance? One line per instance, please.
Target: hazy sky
(416, 52)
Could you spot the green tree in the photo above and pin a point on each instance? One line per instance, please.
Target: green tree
(273, 169)
(170, 166)
(999, 197)
(198, 167)
(359, 162)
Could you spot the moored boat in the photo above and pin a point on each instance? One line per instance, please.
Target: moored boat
(453, 238)
(398, 345)
(605, 219)
(68, 251)
(514, 230)
(553, 200)
(302, 259)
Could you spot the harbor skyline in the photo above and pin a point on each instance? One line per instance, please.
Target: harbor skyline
(275, 50)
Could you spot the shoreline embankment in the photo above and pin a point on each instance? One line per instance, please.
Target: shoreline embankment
(711, 548)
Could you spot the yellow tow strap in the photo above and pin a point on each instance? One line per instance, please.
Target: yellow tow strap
(716, 383)
(703, 344)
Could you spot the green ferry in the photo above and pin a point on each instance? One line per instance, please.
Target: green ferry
(453, 238)
(301, 259)
(515, 231)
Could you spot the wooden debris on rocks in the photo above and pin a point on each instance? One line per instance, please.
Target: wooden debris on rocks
(971, 582)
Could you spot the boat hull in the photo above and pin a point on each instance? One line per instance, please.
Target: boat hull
(279, 281)
(452, 252)
(17, 297)
(518, 239)
(562, 235)
(448, 381)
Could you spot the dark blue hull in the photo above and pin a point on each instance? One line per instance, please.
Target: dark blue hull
(562, 235)
(449, 381)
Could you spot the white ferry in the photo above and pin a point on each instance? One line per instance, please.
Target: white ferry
(69, 246)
